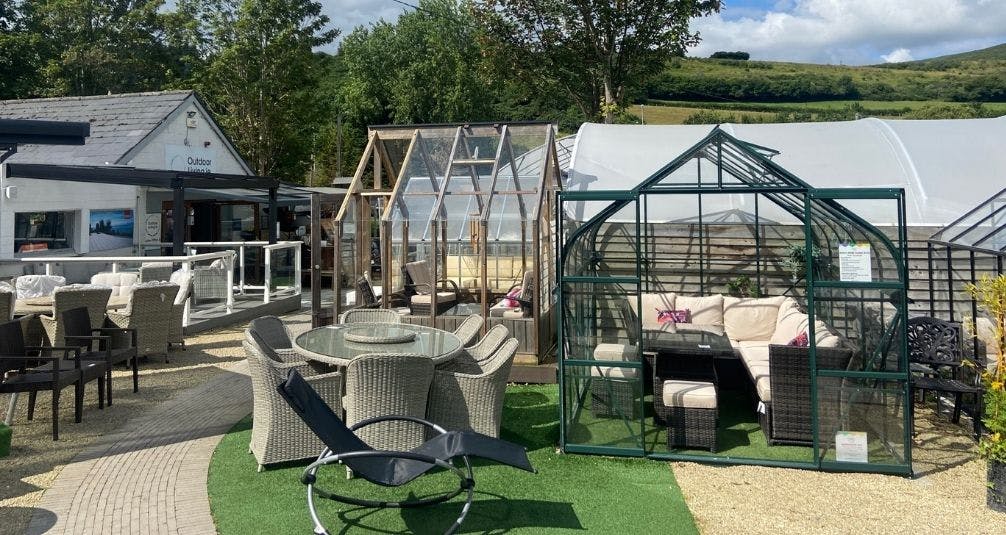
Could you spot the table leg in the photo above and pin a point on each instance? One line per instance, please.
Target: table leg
(9, 420)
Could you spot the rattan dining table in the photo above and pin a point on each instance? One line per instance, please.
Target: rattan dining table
(338, 345)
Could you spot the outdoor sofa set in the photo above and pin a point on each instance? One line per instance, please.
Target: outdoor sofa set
(768, 335)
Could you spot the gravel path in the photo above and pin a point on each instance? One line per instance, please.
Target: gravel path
(946, 496)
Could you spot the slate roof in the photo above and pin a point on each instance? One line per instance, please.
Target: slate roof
(118, 123)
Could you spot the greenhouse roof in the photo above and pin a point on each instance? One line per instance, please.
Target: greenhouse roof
(946, 167)
(982, 229)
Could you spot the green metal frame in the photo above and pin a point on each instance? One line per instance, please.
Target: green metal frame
(754, 173)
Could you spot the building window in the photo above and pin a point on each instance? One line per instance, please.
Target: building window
(42, 231)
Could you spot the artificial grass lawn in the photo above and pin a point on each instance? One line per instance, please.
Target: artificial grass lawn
(569, 492)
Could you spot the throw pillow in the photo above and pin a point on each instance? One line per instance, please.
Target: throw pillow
(673, 316)
(801, 340)
(510, 301)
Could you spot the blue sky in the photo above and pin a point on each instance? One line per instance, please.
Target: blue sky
(851, 32)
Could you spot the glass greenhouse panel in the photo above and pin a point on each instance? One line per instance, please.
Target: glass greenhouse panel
(862, 423)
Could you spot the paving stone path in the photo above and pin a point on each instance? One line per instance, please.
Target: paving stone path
(150, 476)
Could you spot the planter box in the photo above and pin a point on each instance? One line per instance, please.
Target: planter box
(5, 434)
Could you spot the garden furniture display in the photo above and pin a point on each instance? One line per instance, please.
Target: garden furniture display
(95, 343)
(472, 399)
(937, 345)
(93, 298)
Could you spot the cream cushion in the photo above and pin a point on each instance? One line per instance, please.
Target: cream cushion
(790, 323)
(652, 302)
(751, 318)
(615, 352)
(425, 299)
(689, 394)
(30, 286)
(706, 310)
(755, 357)
(614, 372)
(120, 282)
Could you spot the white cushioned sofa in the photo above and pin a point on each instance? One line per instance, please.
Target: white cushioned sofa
(760, 331)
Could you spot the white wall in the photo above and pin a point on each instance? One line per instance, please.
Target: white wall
(200, 139)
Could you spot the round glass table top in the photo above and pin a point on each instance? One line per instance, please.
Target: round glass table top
(329, 344)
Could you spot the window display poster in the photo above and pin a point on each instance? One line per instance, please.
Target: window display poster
(854, 262)
(111, 229)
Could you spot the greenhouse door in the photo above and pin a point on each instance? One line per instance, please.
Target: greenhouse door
(601, 376)
(857, 291)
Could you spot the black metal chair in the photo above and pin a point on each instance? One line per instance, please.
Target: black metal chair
(52, 368)
(391, 468)
(936, 357)
(78, 333)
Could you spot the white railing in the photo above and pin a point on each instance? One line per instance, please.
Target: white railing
(240, 247)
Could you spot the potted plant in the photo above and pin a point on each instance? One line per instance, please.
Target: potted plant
(990, 294)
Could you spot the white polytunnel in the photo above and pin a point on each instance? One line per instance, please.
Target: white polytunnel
(946, 166)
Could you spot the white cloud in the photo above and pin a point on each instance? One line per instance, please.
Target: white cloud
(898, 55)
(856, 31)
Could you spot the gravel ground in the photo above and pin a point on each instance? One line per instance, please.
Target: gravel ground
(946, 496)
(36, 460)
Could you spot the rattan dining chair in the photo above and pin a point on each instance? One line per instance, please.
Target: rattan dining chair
(470, 358)
(155, 271)
(469, 329)
(149, 312)
(93, 298)
(370, 315)
(7, 297)
(95, 343)
(473, 401)
(384, 384)
(278, 434)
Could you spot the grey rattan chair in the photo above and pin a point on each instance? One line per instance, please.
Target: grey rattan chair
(370, 315)
(7, 297)
(155, 271)
(176, 330)
(149, 312)
(275, 334)
(94, 298)
(473, 401)
(388, 384)
(278, 434)
(469, 329)
(470, 359)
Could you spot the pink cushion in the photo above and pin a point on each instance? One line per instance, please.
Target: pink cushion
(673, 316)
(801, 340)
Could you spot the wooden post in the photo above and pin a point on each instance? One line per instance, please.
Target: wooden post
(316, 261)
(180, 216)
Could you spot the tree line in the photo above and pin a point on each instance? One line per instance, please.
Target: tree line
(288, 107)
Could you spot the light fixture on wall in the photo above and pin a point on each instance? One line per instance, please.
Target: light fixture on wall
(192, 217)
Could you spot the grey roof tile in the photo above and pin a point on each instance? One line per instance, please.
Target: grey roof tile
(118, 123)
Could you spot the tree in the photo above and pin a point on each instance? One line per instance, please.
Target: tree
(593, 49)
(742, 56)
(261, 75)
(19, 58)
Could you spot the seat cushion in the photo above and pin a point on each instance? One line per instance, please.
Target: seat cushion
(751, 318)
(689, 394)
(614, 372)
(29, 286)
(425, 299)
(707, 310)
(615, 352)
(790, 323)
(755, 357)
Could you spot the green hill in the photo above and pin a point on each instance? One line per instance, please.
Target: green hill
(991, 56)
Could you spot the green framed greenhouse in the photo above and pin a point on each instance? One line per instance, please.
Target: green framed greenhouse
(703, 275)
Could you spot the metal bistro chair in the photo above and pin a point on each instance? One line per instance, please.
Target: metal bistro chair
(936, 355)
(391, 468)
(96, 344)
(63, 368)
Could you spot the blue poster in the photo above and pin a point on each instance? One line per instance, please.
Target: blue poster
(111, 229)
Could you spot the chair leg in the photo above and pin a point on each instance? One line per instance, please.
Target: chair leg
(55, 413)
(31, 404)
(108, 382)
(958, 398)
(136, 374)
(101, 393)
(78, 401)
(978, 414)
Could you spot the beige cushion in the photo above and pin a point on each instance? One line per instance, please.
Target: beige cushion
(790, 323)
(120, 282)
(427, 298)
(652, 302)
(706, 310)
(615, 352)
(614, 372)
(823, 335)
(751, 318)
(755, 357)
(689, 394)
